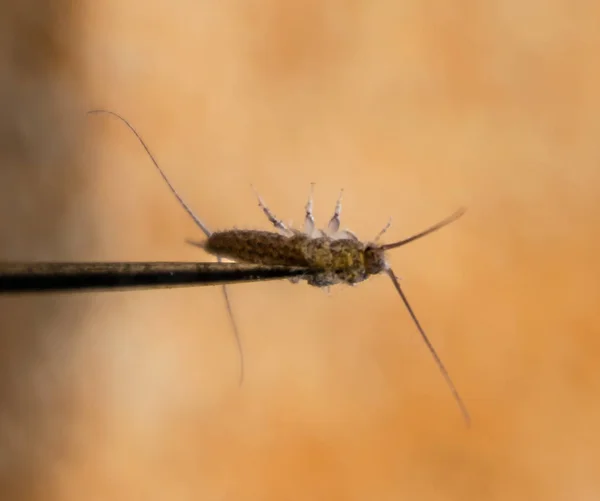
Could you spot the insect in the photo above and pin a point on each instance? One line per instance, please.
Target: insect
(330, 256)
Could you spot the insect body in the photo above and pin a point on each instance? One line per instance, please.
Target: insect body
(330, 256)
(328, 261)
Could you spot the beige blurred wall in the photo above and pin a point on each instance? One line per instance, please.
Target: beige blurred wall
(414, 108)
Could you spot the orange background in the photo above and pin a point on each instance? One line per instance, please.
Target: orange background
(414, 108)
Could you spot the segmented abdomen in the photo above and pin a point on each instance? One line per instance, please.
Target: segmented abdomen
(330, 261)
(258, 247)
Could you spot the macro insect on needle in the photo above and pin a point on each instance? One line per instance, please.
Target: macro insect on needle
(330, 256)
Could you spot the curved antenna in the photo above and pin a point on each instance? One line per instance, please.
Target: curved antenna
(187, 208)
(438, 360)
(435, 227)
(196, 219)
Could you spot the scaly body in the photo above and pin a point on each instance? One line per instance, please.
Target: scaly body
(329, 261)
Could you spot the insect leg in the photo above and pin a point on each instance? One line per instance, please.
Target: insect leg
(333, 228)
(385, 228)
(334, 222)
(309, 220)
(271, 217)
(198, 222)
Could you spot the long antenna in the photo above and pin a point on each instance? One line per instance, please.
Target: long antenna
(196, 219)
(435, 227)
(436, 357)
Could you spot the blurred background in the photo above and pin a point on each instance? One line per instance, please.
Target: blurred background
(414, 108)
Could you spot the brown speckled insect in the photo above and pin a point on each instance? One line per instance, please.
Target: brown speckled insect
(330, 256)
